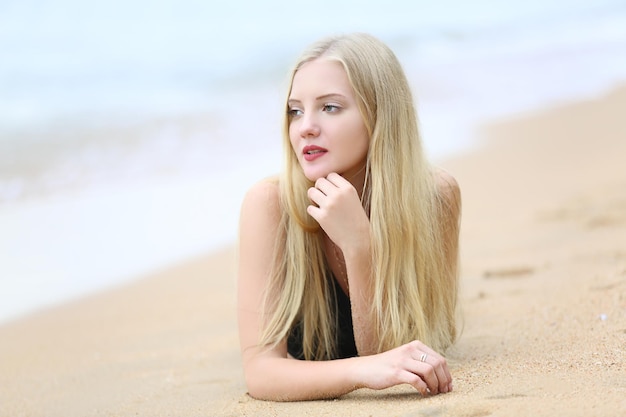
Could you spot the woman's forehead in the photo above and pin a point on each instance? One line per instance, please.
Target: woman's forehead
(320, 77)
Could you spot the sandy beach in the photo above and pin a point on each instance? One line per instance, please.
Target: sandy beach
(543, 299)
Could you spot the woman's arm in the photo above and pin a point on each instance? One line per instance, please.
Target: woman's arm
(269, 373)
(336, 206)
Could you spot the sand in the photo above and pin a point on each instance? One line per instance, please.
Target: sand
(543, 273)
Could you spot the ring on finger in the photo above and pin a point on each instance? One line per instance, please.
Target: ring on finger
(423, 357)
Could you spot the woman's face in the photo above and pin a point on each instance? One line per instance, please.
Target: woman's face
(326, 129)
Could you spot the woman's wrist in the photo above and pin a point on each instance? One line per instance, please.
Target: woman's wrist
(355, 372)
(358, 251)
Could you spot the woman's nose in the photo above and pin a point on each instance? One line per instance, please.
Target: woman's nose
(309, 126)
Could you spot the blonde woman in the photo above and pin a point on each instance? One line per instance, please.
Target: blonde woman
(348, 260)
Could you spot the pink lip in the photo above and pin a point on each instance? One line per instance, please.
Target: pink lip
(316, 152)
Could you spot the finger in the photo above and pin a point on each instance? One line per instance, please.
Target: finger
(426, 372)
(416, 381)
(442, 378)
(316, 196)
(314, 212)
(440, 359)
(438, 369)
(325, 186)
(337, 180)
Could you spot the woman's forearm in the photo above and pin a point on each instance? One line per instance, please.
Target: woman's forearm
(358, 267)
(284, 379)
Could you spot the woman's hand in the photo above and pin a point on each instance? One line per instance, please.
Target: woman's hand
(337, 208)
(413, 363)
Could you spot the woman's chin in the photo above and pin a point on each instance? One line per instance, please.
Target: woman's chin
(315, 175)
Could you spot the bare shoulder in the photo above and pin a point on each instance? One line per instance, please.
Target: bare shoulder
(263, 199)
(266, 189)
(448, 190)
(259, 233)
(260, 209)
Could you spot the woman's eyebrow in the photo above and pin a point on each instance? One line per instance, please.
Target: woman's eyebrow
(319, 98)
(331, 95)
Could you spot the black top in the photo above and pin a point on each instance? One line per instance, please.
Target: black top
(346, 347)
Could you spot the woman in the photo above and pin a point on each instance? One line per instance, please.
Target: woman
(348, 260)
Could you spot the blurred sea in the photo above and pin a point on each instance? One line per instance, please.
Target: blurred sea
(130, 130)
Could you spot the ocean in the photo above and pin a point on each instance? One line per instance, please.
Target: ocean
(130, 130)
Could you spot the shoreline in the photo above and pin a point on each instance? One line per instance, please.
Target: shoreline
(543, 293)
(158, 176)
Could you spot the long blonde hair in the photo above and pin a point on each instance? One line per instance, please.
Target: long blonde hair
(414, 286)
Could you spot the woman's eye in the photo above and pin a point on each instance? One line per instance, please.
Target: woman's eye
(294, 112)
(331, 108)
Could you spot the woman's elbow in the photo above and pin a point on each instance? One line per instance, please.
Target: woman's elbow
(262, 386)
